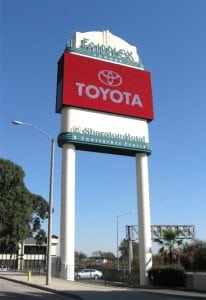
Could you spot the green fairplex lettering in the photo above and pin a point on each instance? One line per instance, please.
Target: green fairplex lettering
(101, 49)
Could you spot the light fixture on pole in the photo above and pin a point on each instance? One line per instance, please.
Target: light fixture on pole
(126, 213)
(49, 238)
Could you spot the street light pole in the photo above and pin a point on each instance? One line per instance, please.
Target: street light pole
(49, 241)
(126, 213)
(51, 182)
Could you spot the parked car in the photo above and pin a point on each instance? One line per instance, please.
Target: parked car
(3, 268)
(88, 274)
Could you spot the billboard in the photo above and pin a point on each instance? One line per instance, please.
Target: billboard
(99, 85)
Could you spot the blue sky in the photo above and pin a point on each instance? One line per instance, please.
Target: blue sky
(170, 36)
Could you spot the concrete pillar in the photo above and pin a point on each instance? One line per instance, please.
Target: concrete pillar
(144, 226)
(130, 256)
(68, 212)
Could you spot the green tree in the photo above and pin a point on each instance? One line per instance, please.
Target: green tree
(168, 242)
(80, 255)
(40, 240)
(80, 259)
(109, 256)
(103, 255)
(193, 256)
(40, 237)
(21, 212)
(124, 249)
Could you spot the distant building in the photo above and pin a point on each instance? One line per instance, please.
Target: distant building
(30, 255)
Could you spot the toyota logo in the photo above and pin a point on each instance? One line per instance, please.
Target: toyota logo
(109, 77)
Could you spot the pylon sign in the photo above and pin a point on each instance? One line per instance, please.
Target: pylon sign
(104, 96)
(107, 96)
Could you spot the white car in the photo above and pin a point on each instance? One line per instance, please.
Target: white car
(88, 274)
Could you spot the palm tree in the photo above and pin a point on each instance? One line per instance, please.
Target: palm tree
(169, 240)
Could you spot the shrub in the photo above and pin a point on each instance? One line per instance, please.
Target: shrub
(171, 275)
(193, 256)
(132, 279)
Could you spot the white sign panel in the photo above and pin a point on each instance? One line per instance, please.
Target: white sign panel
(96, 131)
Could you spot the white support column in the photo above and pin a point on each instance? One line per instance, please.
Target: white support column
(68, 212)
(144, 226)
(130, 256)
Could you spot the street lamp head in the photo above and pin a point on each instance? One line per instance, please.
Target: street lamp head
(126, 213)
(16, 122)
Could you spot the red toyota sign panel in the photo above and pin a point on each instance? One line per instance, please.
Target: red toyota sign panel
(103, 86)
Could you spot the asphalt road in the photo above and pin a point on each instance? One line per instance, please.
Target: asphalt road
(11, 290)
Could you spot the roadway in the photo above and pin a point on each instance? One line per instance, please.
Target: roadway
(13, 290)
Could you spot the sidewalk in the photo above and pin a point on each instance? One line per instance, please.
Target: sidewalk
(86, 291)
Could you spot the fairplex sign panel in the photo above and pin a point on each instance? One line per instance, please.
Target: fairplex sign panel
(103, 86)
